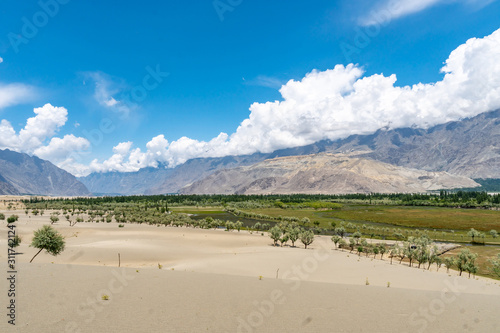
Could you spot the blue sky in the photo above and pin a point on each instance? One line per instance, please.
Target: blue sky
(92, 57)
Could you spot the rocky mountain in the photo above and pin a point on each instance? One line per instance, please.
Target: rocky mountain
(470, 147)
(24, 174)
(126, 183)
(161, 180)
(324, 174)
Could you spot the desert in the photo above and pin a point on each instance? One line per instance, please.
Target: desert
(188, 280)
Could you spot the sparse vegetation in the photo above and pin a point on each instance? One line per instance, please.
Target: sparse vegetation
(47, 238)
(414, 221)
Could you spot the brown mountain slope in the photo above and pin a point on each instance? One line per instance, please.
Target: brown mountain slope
(324, 174)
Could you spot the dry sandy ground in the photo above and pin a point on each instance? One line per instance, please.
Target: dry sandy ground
(217, 281)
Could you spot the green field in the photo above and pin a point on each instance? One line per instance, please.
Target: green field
(484, 254)
(403, 216)
(421, 217)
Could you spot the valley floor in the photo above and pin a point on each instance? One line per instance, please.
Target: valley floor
(217, 281)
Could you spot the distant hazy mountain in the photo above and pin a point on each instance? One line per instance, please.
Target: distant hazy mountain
(324, 174)
(24, 174)
(126, 182)
(470, 147)
(162, 180)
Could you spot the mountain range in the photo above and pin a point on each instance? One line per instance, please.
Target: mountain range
(24, 174)
(469, 148)
(404, 159)
(324, 174)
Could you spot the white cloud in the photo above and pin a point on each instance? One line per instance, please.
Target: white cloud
(15, 93)
(44, 125)
(265, 81)
(331, 104)
(1, 60)
(336, 103)
(58, 149)
(32, 139)
(390, 10)
(105, 88)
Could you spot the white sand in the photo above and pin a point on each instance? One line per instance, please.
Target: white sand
(215, 285)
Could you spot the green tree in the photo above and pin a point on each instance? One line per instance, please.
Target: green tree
(2, 216)
(438, 261)
(422, 250)
(340, 231)
(293, 234)
(394, 252)
(284, 239)
(466, 261)
(495, 266)
(47, 238)
(356, 236)
(53, 219)
(352, 243)
(238, 225)
(336, 239)
(449, 262)
(305, 220)
(382, 249)
(306, 237)
(494, 233)
(275, 234)
(473, 233)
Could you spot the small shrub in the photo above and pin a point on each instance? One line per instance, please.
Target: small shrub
(12, 219)
(120, 225)
(105, 297)
(160, 266)
(367, 282)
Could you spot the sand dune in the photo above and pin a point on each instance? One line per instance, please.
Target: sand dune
(217, 281)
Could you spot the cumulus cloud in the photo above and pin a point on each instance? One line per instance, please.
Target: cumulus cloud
(15, 93)
(59, 149)
(389, 10)
(331, 104)
(336, 103)
(43, 127)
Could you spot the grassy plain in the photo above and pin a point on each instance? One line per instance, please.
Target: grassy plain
(485, 253)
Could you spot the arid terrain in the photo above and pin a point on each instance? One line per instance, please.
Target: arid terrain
(324, 174)
(218, 281)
